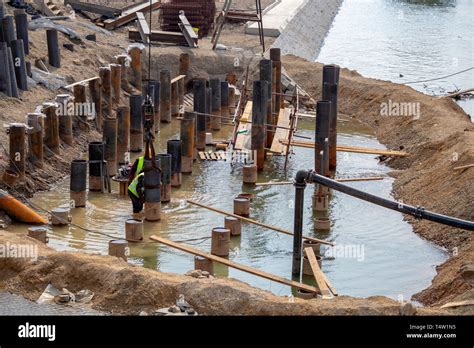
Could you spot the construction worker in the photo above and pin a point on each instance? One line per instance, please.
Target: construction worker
(136, 188)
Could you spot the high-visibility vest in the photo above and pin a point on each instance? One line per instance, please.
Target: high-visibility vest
(141, 162)
(133, 185)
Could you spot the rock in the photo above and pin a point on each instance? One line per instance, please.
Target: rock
(190, 311)
(76, 62)
(202, 277)
(69, 47)
(174, 309)
(143, 314)
(407, 309)
(82, 46)
(87, 62)
(194, 273)
(205, 274)
(91, 37)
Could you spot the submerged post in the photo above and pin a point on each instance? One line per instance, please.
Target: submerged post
(35, 122)
(123, 133)
(96, 160)
(110, 144)
(187, 141)
(330, 93)
(54, 56)
(136, 123)
(51, 129)
(65, 118)
(152, 185)
(78, 183)
(165, 96)
(200, 109)
(17, 132)
(259, 115)
(266, 72)
(174, 149)
(215, 85)
(165, 166)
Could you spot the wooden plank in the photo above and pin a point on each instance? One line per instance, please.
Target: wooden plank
(159, 36)
(243, 139)
(223, 155)
(464, 167)
(354, 149)
(177, 78)
(328, 283)
(235, 265)
(275, 183)
(143, 28)
(188, 32)
(130, 14)
(94, 8)
(280, 133)
(202, 156)
(318, 276)
(277, 229)
(213, 156)
(81, 82)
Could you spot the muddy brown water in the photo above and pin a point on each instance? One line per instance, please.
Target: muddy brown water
(378, 252)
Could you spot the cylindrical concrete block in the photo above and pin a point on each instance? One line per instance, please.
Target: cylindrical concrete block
(250, 174)
(133, 230)
(320, 203)
(313, 245)
(234, 225)
(204, 264)
(152, 211)
(38, 233)
(220, 241)
(307, 267)
(60, 216)
(322, 223)
(118, 248)
(242, 206)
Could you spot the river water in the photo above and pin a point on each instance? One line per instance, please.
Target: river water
(406, 41)
(383, 39)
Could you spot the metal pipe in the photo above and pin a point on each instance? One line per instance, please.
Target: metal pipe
(51, 129)
(96, 99)
(110, 144)
(35, 122)
(187, 141)
(65, 118)
(11, 67)
(330, 93)
(6, 86)
(298, 226)
(115, 77)
(200, 107)
(153, 86)
(123, 133)
(21, 23)
(165, 95)
(215, 85)
(136, 123)
(417, 212)
(136, 65)
(266, 72)
(20, 65)
(152, 185)
(259, 115)
(8, 30)
(106, 90)
(323, 111)
(174, 149)
(80, 98)
(165, 167)
(96, 160)
(275, 56)
(78, 183)
(54, 56)
(17, 132)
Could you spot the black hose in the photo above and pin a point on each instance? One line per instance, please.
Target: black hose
(417, 212)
